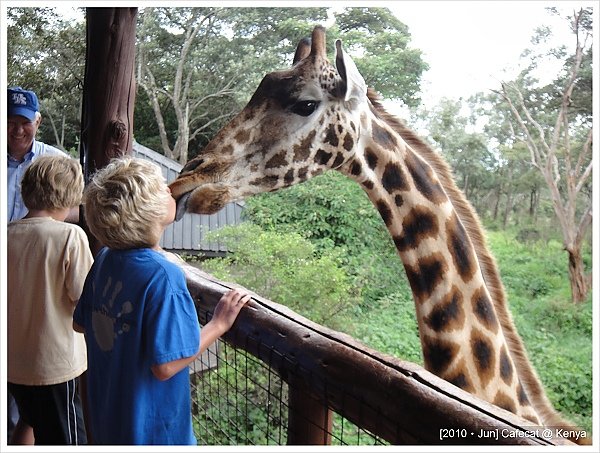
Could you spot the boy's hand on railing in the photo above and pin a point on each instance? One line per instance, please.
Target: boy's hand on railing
(228, 308)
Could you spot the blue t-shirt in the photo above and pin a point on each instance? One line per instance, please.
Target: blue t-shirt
(137, 312)
(16, 208)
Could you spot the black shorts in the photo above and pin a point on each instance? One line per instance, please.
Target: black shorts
(53, 411)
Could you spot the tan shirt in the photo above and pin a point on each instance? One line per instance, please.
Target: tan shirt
(47, 264)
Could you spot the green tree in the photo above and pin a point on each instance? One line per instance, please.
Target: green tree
(466, 151)
(179, 83)
(555, 124)
(380, 46)
(196, 65)
(46, 54)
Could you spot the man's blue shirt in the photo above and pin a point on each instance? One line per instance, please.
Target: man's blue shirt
(16, 208)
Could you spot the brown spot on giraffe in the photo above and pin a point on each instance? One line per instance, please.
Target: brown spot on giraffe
(355, 168)
(393, 178)
(382, 136)
(438, 354)
(523, 399)
(424, 180)
(339, 160)
(483, 353)
(302, 149)
(348, 142)
(302, 173)
(322, 157)
(242, 136)
(460, 377)
(278, 160)
(289, 177)
(385, 212)
(420, 223)
(506, 368)
(425, 275)
(448, 314)
(267, 182)
(484, 311)
(332, 136)
(460, 249)
(371, 157)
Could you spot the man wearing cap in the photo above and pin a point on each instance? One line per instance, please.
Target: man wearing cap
(24, 119)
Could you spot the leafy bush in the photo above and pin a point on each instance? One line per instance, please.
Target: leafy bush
(329, 210)
(285, 268)
(333, 212)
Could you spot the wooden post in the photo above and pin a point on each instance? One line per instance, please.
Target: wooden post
(309, 420)
(108, 90)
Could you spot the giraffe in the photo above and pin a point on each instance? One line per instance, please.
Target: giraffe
(315, 116)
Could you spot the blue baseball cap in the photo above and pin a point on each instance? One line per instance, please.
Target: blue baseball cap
(22, 102)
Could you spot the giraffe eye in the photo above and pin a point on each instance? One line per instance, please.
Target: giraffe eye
(304, 108)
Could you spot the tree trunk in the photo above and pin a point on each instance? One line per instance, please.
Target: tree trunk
(108, 90)
(533, 204)
(509, 199)
(577, 276)
(497, 203)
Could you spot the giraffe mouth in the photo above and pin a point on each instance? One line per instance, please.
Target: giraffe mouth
(182, 204)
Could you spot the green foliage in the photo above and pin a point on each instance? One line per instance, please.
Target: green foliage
(390, 326)
(557, 333)
(467, 152)
(285, 268)
(46, 54)
(330, 210)
(379, 44)
(333, 211)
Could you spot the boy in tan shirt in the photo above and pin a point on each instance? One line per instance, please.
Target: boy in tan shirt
(48, 262)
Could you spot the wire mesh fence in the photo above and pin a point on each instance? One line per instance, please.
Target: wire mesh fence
(239, 400)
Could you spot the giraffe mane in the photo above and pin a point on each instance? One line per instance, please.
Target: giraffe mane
(470, 220)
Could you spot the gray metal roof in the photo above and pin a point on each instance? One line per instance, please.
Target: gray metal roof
(188, 235)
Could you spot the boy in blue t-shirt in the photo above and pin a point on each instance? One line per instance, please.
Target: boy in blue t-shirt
(138, 317)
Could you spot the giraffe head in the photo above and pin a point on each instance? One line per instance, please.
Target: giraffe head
(299, 123)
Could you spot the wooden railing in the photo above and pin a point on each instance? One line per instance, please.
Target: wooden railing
(329, 371)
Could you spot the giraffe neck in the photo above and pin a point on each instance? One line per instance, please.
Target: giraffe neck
(461, 337)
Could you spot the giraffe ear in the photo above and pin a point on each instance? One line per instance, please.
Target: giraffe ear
(354, 84)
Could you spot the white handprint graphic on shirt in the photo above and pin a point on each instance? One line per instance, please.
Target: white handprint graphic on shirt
(104, 322)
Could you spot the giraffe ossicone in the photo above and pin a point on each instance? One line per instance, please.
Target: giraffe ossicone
(315, 116)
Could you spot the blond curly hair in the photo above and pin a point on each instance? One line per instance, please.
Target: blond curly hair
(125, 204)
(52, 182)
